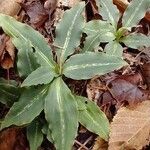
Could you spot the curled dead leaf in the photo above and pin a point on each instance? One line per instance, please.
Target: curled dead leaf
(130, 128)
(7, 52)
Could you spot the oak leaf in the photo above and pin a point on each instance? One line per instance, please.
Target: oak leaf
(130, 128)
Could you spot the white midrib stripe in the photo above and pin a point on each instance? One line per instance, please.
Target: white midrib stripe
(133, 14)
(115, 48)
(8, 93)
(40, 53)
(62, 121)
(39, 78)
(70, 68)
(32, 102)
(68, 37)
(109, 14)
(96, 123)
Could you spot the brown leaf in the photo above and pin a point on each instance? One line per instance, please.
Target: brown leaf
(36, 12)
(125, 91)
(8, 53)
(121, 4)
(3, 40)
(100, 144)
(146, 73)
(130, 128)
(10, 7)
(135, 79)
(13, 139)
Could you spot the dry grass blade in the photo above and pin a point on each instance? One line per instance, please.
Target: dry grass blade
(130, 128)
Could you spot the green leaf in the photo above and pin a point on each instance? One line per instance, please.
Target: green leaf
(87, 65)
(48, 132)
(42, 75)
(9, 92)
(27, 108)
(26, 60)
(34, 135)
(135, 12)
(109, 12)
(20, 32)
(62, 115)
(97, 31)
(68, 32)
(114, 48)
(136, 40)
(93, 118)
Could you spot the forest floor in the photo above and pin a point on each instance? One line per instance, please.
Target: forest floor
(127, 87)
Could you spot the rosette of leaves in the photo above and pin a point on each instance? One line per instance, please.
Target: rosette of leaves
(44, 89)
(107, 31)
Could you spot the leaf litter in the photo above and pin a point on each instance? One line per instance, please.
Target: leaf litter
(110, 93)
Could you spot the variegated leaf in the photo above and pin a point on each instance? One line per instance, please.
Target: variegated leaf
(47, 132)
(62, 114)
(20, 32)
(114, 48)
(42, 75)
(9, 92)
(92, 117)
(109, 12)
(68, 32)
(27, 108)
(136, 40)
(135, 12)
(87, 65)
(97, 31)
(26, 60)
(34, 135)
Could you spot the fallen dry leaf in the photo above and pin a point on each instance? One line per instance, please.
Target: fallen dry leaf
(10, 7)
(100, 144)
(130, 128)
(124, 91)
(3, 40)
(7, 52)
(117, 90)
(146, 73)
(36, 12)
(13, 139)
(135, 79)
